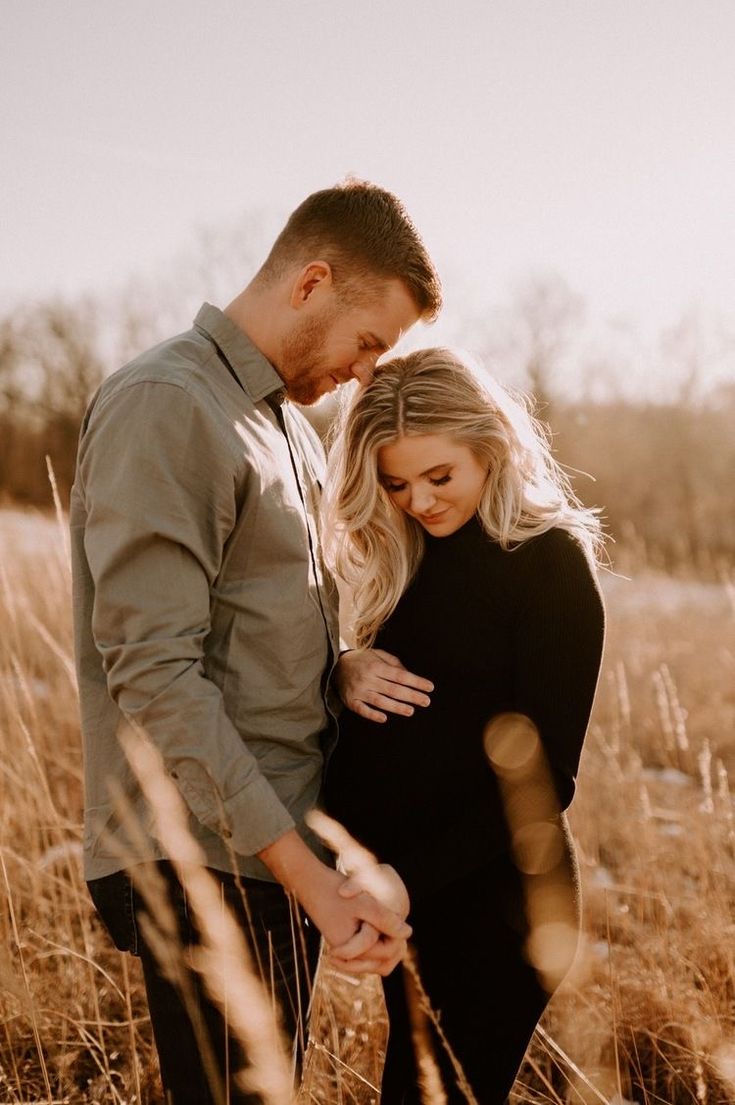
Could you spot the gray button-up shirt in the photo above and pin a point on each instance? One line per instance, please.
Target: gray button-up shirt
(202, 608)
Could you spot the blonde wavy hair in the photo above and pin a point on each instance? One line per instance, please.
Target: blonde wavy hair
(373, 545)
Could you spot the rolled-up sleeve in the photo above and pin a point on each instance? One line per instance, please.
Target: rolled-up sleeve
(160, 499)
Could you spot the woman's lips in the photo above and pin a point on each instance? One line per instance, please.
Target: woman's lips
(430, 518)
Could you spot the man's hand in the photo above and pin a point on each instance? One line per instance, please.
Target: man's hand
(371, 681)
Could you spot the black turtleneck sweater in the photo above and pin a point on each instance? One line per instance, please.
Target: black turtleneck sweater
(495, 631)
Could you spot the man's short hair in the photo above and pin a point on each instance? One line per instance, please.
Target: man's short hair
(366, 236)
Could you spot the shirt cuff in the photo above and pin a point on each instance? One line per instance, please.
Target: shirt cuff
(249, 820)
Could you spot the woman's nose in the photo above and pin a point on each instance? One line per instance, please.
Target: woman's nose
(423, 499)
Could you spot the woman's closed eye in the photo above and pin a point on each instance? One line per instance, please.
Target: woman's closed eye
(395, 488)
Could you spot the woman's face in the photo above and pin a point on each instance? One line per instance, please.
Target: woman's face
(436, 480)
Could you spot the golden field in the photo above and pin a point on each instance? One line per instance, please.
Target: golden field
(648, 1014)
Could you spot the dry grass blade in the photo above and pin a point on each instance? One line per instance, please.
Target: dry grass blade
(223, 959)
(353, 857)
(60, 516)
(422, 1007)
(658, 876)
(31, 1004)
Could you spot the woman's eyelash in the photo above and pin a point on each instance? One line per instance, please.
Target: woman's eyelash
(396, 487)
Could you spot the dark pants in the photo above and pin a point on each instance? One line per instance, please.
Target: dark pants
(190, 1033)
(469, 942)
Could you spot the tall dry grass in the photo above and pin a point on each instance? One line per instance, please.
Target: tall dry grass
(648, 1013)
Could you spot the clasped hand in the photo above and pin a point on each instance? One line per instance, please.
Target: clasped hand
(373, 683)
(370, 951)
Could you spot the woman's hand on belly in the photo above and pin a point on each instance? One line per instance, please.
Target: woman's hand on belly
(371, 681)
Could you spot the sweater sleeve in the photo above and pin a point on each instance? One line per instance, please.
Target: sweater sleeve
(557, 650)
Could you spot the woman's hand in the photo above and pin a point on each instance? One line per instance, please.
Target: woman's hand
(370, 682)
(383, 883)
(340, 917)
(368, 952)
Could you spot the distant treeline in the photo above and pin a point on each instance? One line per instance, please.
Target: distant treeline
(664, 473)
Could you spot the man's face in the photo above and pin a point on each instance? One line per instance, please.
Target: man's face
(340, 342)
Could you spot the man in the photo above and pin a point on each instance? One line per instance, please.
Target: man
(204, 614)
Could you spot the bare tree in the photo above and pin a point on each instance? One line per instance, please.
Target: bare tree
(55, 353)
(533, 334)
(50, 365)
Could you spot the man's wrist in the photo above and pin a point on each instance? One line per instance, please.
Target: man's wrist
(293, 864)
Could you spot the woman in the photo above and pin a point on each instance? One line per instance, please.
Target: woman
(469, 559)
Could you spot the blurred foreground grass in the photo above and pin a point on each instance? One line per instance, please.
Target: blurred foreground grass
(648, 1014)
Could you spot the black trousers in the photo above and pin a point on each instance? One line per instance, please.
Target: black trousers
(190, 1031)
(469, 940)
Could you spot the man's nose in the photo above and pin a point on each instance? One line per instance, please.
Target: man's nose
(362, 370)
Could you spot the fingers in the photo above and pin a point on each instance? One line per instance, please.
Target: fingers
(393, 697)
(399, 674)
(399, 700)
(380, 880)
(368, 706)
(374, 683)
(381, 960)
(369, 665)
(362, 966)
(402, 690)
(362, 708)
(364, 939)
(355, 966)
(351, 887)
(383, 919)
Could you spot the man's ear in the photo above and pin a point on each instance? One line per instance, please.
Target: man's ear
(312, 282)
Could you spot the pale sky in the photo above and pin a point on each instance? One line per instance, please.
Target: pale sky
(595, 139)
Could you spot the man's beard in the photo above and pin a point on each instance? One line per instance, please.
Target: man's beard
(301, 365)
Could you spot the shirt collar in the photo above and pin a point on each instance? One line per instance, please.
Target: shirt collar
(254, 371)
